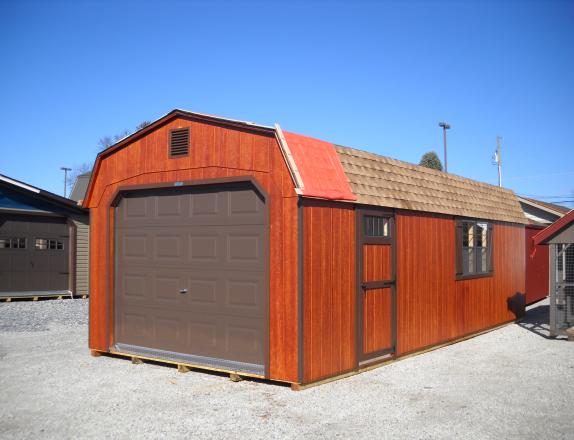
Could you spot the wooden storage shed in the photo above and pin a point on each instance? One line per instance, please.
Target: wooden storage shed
(539, 215)
(234, 246)
(43, 243)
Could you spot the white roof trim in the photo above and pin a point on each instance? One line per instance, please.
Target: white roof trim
(537, 219)
(20, 184)
(221, 118)
(543, 208)
(289, 160)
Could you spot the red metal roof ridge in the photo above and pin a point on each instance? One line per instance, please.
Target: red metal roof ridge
(319, 168)
(554, 228)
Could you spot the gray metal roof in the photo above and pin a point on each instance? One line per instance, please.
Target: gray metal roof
(80, 187)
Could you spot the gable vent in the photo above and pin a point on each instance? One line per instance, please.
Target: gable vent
(179, 142)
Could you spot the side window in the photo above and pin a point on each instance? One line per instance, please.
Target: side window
(43, 244)
(13, 243)
(474, 248)
(375, 226)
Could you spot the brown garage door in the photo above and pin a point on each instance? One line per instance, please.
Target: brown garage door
(34, 255)
(191, 282)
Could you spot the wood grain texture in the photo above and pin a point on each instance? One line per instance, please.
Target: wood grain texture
(329, 290)
(215, 152)
(377, 262)
(432, 306)
(377, 320)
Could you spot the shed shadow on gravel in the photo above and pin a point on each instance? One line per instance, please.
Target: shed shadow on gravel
(537, 321)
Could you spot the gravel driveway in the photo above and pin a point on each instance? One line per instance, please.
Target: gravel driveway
(512, 383)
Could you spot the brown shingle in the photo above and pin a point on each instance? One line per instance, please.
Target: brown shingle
(382, 181)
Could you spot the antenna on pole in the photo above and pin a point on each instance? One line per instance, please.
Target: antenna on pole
(496, 160)
(65, 170)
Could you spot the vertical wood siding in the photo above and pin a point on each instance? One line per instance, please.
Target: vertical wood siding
(537, 270)
(432, 306)
(329, 290)
(215, 152)
(82, 254)
(377, 320)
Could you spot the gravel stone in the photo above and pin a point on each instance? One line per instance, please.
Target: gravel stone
(512, 383)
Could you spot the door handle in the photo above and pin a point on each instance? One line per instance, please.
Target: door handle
(183, 291)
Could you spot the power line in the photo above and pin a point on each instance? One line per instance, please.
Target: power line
(567, 196)
(541, 175)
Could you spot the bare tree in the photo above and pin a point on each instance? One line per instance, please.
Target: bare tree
(108, 141)
(142, 124)
(105, 142)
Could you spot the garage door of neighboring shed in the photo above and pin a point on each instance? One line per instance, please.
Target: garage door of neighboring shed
(34, 255)
(192, 276)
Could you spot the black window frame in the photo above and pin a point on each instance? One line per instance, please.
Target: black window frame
(14, 242)
(461, 274)
(51, 244)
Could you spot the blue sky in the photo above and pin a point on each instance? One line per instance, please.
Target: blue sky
(372, 75)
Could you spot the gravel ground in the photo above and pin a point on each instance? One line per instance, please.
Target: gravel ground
(512, 383)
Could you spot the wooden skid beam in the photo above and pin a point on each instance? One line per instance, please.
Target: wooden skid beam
(234, 377)
(197, 367)
(183, 368)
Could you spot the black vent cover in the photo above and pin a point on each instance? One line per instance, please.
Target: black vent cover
(179, 142)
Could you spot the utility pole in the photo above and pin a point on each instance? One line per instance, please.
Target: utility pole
(497, 160)
(445, 127)
(65, 170)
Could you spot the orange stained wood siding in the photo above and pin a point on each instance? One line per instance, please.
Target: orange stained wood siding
(432, 306)
(377, 262)
(377, 320)
(329, 290)
(215, 152)
(377, 303)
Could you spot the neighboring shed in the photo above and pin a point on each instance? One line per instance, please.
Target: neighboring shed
(44, 243)
(559, 237)
(234, 246)
(539, 214)
(80, 186)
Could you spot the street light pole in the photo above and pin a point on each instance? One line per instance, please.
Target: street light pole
(445, 127)
(65, 170)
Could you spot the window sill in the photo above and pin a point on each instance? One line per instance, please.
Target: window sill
(473, 276)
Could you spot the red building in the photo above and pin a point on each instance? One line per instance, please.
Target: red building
(540, 215)
(234, 246)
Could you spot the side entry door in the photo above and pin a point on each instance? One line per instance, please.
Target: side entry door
(376, 295)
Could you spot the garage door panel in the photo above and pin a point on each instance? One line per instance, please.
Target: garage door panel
(135, 285)
(31, 267)
(202, 290)
(245, 203)
(243, 339)
(168, 247)
(204, 248)
(209, 244)
(206, 205)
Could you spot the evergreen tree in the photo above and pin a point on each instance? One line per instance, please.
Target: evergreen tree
(431, 160)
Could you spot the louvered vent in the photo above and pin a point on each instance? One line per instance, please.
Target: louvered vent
(179, 142)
